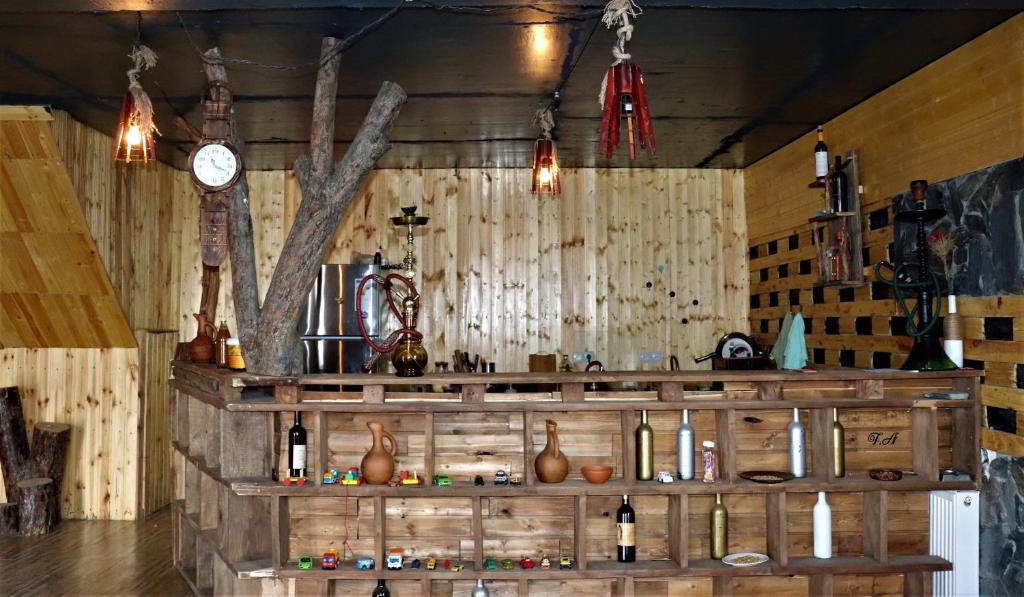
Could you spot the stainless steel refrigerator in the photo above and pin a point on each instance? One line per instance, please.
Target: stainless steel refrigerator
(330, 329)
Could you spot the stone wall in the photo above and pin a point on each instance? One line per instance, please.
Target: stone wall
(1002, 526)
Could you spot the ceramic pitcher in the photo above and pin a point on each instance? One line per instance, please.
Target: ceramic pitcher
(551, 464)
(378, 465)
(200, 349)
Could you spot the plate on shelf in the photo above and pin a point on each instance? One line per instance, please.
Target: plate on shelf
(744, 559)
(768, 477)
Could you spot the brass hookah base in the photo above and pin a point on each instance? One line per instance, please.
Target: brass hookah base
(409, 358)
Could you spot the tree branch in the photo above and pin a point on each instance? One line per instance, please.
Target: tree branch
(325, 99)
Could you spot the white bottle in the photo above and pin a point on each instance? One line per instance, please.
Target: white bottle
(954, 347)
(684, 450)
(822, 528)
(797, 464)
(480, 590)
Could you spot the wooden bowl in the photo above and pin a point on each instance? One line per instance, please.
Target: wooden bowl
(596, 474)
(885, 474)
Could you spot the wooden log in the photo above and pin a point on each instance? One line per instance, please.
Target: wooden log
(37, 515)
(49, 456)
(8, 518)
(13, 441)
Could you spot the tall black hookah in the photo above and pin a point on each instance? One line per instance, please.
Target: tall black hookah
(922, 319)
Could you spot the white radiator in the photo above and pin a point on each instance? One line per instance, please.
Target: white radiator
(954, 527)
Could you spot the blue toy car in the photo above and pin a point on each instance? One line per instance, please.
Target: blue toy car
(330, 477)
(364, 564)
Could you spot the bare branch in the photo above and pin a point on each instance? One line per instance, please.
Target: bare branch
(325, 99)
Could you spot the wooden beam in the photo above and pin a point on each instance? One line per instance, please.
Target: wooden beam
(679, 528)
(778, 543)
(925, 433)
(875, 518)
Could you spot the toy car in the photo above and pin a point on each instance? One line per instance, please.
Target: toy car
(330, 560)
(515, 480)
(526, 563)
(442, 480)
(352, 477)
(545, 564)
(431, 563)
(446, 564)
(565, 562)
(490, 564)
(305, 563)
(395, 556)
(407, 478)
(458, 567)
(665, 477)
(364, 564)
(415, 564)
(330, 477)
(508, 564)
(478, 481)
(501, 478)
(299, 481)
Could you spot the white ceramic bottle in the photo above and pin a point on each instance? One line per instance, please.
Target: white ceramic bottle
(684, 450)
(797, 464)
(480, 590)
(953, 342)
(822, 528)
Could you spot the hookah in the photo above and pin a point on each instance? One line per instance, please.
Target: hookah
(406, 343)
(927, 353)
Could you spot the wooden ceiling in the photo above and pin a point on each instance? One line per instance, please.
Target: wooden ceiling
(54, 290)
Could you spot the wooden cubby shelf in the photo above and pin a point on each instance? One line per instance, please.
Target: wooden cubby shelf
(229, 439)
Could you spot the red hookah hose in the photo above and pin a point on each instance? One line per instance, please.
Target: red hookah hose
(396, 336)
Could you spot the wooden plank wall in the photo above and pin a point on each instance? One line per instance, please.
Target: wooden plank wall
(961, 113)
(93, 390)
(508, 274)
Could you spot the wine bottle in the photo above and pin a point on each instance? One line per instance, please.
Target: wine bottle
(297, 448)
(797, 465)
(480, 590)
(684, 447)
(719, 529)
(820, 155)
(644, 449)
(839, 189)
(381, 590)
(626, 524)
(378, 258)
(822, 523)
(838, 445)
(952, 332)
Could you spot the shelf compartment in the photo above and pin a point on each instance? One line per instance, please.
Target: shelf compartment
(424, 527)
(747, 525)
(536, 526)
(467, 444)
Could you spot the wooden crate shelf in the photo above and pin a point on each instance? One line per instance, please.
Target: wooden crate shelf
(255, 526)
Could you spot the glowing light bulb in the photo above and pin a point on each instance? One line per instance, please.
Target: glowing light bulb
(545, 176)
(540, 40)
(134, 136)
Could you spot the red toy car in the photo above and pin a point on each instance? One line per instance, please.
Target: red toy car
(330, 560)
(446, 564)
(300, 481)
(526, 563)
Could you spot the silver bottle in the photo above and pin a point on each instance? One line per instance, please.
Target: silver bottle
(480, 590)
(797, 464)
(684, 448)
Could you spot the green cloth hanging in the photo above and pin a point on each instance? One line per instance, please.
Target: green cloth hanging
(779, 350)
(795, 351)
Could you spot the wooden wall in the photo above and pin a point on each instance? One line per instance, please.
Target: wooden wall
(507, 274)
(961, 113)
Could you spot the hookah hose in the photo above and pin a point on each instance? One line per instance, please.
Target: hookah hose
(391, 342)
(899, 284)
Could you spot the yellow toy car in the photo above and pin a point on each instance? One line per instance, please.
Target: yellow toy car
(431, 563)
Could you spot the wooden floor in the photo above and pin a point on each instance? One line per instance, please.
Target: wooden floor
(93, 558)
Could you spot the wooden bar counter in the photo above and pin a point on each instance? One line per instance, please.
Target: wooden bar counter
(238, 530)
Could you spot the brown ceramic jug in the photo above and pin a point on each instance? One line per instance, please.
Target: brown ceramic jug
(200, 349)
(552, 466)
(379, 463)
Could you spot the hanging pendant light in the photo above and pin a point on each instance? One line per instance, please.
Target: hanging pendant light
(135, 128)
(546, 179)
(623, 97)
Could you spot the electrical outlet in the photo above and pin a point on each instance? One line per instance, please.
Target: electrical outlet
(651, 358)
(582, 357)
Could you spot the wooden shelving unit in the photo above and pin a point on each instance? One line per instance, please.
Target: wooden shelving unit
(236, 529)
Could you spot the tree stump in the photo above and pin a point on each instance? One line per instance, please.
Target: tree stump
(37, 515)
(8, 518)
(49, 456)
(13, 441)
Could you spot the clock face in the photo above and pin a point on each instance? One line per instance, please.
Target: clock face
(214, 165)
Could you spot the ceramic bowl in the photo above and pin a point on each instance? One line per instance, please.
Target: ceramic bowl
(596, 474)
(885, 474)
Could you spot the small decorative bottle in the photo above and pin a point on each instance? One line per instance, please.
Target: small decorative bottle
(797, 465)
(684, 448)
(838, 445)
(719, 529)
(822, 528)
(220, 344)
(708, 457)
(644, 449)
(953, 333)
(381, 590)
(480, 590)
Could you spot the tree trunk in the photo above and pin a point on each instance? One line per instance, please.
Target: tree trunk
(211, 288)
(36, 510)
(49, 456)
(8, 518)
(13, 441)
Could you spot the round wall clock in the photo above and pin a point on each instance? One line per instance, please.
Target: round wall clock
(215, 165)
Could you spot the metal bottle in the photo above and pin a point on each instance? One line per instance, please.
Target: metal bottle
(838, 445)
(797, 464)
(719, 529)
(684, 447)
(480, 590)
(644, 449)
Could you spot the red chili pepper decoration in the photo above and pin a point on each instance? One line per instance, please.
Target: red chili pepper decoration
(626, 99)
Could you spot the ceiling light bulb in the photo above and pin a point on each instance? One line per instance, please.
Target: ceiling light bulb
(134, 136)
(540, 39)
(545, 176)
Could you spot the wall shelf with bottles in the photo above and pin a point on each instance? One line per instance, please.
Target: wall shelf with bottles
(229, 445)
(836, 229)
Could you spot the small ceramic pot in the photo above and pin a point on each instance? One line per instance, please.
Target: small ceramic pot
(596, 474)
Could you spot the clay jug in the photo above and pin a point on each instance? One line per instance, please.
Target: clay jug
(552, 466)
(379, 463)
(200, 349)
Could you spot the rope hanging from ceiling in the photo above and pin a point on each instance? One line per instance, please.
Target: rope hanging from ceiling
(143, 58)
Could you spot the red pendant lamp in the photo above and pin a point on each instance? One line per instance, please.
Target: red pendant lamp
(135, 128)
(623, 97)
(546, 179)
